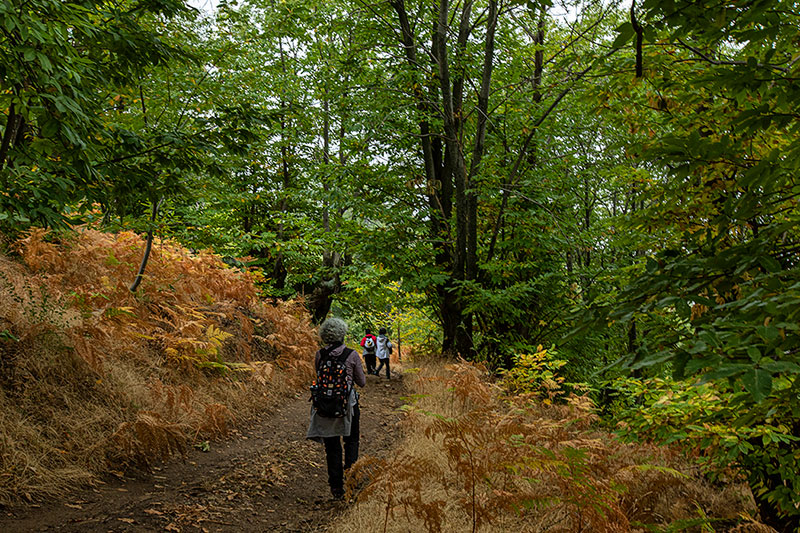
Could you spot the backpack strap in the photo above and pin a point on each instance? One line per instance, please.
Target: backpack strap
(345, 354)
(324, 353)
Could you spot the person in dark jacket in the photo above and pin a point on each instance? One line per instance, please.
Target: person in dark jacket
(331, 431)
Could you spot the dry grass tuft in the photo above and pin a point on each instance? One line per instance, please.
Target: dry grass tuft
(475, 459)
(150, 438)
(138, 376)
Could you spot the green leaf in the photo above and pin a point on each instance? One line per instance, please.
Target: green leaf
(754, 354)
(683, 309)
(758, 383)
(625, 32)
(725, 371)
(50, 128)
(770, 264)
(777, 367)
(45, 62)
(768, 333)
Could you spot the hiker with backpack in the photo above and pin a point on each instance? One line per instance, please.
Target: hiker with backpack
(383, 350)
(368, 343)
(335, 414)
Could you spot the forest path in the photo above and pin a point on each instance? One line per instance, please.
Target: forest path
(265, 477)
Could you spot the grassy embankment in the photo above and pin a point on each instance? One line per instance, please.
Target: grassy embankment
(96, 379)
(476, 457)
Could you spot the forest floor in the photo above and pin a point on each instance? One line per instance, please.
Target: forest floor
(265, 477)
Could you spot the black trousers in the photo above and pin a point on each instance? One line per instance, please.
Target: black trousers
(369, 359)
(333, 454)
(386, 362)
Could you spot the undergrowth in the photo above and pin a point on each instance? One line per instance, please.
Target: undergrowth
(480, 457)
(94, 378)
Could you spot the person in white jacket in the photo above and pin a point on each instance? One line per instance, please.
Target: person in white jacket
(383, 348)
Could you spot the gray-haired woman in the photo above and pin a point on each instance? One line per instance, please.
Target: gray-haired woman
(331, 430)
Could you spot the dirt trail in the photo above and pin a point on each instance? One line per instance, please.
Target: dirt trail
(265, 477)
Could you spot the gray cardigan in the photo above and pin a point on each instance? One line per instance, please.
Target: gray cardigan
(320, 427)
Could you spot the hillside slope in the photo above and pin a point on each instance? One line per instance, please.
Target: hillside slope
(96, 379)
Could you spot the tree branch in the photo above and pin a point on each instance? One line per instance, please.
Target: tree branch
(707, 59)
(639, 38)
(148, 246)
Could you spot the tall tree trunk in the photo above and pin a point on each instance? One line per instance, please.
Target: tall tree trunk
(321, 298)
(438, 167)
(451, 97)
(13, 126)
(479, 144)
(450, 182)
(466, 344)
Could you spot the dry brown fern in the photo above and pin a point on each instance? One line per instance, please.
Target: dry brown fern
(150, 438)
(182, 308)
(398, 484)
(174, 402)
(214, 421)
(541, 467)
(190, 347)
(262, 372)
(84, 348)
(294, 337)
(469, 384)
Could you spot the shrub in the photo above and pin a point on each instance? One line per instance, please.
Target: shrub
(704, 420)
(539, 373)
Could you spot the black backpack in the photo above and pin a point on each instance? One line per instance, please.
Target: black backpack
(331, 391)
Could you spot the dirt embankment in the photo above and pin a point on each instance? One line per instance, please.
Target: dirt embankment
(265, 477)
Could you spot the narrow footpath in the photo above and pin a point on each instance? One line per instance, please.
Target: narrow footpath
(265, 477)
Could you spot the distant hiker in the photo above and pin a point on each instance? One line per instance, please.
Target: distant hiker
(383, 350)
(334, 411)
(369, 344)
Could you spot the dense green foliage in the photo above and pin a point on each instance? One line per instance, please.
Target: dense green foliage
(76, 130)
(618, 181)
(717, 294)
